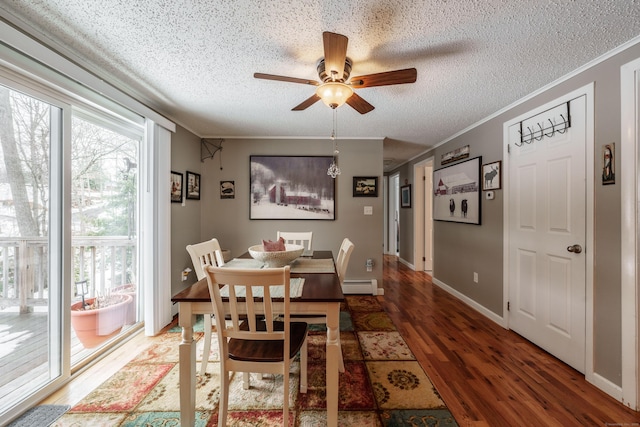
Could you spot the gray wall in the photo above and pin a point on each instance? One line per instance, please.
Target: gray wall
(228, 219)
(185, 220)
(481, 246)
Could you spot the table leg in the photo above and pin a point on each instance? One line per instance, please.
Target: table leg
(333, 362)
(187, 360)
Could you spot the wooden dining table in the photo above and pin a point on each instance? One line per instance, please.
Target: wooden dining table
(321, 295)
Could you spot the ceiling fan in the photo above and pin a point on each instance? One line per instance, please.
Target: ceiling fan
(335, 87)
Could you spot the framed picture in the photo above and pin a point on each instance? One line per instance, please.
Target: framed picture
(365, 186)
(456, 192)
(291, 187)
(227, 189)
(405, 196)
(176, 187)
(455, 155)
(609, 164)
(492, 176)
(193, 185)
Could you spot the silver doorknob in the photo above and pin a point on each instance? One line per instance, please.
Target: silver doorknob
(576, 249)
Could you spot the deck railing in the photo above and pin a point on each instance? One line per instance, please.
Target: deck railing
(104, 262)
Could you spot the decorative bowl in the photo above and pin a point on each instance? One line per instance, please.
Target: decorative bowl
(273, 259)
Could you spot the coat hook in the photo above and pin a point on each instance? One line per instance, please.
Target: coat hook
(565, 122)
(553, 129)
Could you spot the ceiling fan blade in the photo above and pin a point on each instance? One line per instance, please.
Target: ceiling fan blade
(387, 78)
(306, 103)
(335, 54)
(285, 79)
(359, 104)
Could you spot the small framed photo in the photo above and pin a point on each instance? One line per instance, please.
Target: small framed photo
(227, 189)
(405, 196)
(609, 164)
(365, 186)
(193, 185)
(491, 176)
(176, 187)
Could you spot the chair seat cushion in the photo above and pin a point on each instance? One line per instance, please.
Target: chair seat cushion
(268, 350)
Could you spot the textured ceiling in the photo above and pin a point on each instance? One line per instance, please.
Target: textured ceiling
(194, 60)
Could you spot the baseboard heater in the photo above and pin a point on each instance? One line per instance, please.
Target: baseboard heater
(362, 286)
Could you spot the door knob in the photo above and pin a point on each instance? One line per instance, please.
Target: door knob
(576, 249)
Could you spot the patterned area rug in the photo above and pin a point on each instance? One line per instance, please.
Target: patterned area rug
(382, 386)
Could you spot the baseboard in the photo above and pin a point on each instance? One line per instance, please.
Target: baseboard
(408, 264)
(363, 286)
(606, 386)
(471, 303)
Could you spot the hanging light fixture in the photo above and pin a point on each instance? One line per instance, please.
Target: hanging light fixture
(334, 170)
(334, 94)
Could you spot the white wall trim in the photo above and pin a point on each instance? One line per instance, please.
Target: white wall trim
(628, 175)
(471, 303)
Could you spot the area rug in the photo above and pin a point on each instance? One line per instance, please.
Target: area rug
(42, 416)
(383, 385)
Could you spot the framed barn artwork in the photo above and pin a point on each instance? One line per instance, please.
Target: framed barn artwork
(291, 187)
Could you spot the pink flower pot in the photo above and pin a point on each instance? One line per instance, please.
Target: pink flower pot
(93, 327)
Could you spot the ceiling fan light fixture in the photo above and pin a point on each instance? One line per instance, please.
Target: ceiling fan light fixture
(334, 94)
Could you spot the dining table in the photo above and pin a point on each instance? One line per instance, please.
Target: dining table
(321, 296)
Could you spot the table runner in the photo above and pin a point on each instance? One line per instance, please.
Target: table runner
(296, 285)
(311, 265)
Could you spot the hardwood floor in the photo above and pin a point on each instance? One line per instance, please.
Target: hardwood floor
(489, 376)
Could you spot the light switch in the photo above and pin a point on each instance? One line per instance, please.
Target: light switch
(368, 210)
(490, 195)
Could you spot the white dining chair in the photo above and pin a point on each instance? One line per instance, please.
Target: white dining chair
(303, 238)
(254, 343)
(203, 254)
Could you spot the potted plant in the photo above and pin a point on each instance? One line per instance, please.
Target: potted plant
(128, 289)
(95, 320)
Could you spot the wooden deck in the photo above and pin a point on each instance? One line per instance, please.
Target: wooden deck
(24, 350)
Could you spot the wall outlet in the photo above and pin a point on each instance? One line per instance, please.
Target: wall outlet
(475, 277)
(369, 264)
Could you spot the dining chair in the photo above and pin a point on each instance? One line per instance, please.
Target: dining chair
(304, 238)
(203, 254)
(255, 342)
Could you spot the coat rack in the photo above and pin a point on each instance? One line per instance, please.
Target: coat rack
(548, 128)
(209, 148)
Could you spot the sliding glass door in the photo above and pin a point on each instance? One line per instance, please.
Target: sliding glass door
(68, 238)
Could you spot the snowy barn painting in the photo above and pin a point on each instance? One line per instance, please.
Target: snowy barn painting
(456, 192)
(291, 187)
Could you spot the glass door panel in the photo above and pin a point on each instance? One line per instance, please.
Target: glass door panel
(104, 159)
(29, 296)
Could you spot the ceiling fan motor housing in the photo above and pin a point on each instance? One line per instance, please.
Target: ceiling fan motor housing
(327, 77)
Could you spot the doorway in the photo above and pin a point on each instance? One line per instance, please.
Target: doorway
(394, 214)
(548, 223)
(423, 217)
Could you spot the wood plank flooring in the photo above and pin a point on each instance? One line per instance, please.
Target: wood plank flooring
(489, 376)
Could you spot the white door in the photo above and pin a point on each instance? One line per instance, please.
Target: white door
(547, 232)
(428, 217)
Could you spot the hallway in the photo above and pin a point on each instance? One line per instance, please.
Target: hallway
(489, 376)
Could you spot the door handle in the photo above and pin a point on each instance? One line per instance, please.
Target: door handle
(576, 249)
